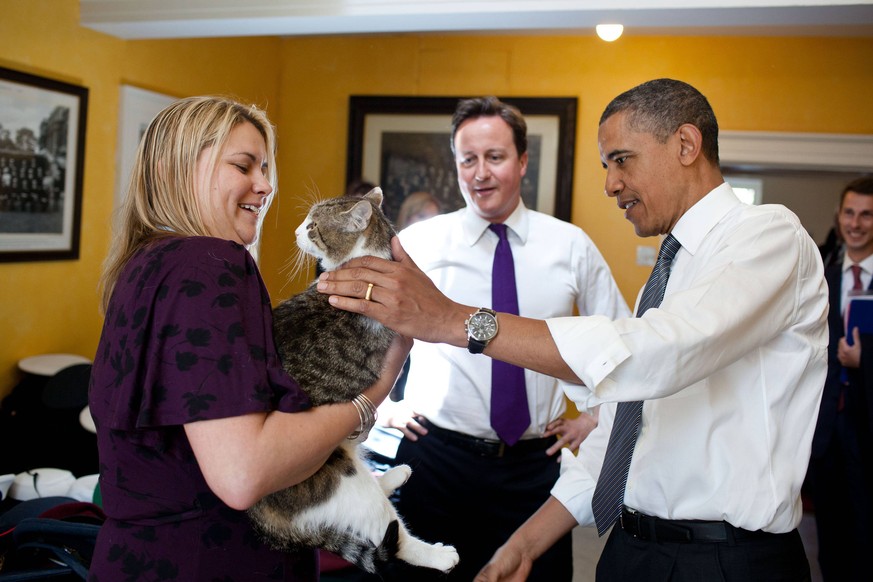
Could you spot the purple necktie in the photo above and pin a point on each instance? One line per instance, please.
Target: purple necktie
(510, 416)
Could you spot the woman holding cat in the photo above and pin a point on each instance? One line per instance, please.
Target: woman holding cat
(196, 420)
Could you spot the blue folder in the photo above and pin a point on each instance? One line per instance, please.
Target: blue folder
(859, 313)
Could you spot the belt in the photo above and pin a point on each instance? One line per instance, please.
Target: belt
(654, 529)
(487, 447)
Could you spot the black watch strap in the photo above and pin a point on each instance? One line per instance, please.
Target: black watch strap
(475, 346)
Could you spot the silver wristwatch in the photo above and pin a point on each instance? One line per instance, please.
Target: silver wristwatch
(481, 328)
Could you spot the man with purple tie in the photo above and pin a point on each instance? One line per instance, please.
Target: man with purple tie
(482, 436)
(708, 399)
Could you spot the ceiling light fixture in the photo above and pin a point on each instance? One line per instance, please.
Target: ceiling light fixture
(609, 32)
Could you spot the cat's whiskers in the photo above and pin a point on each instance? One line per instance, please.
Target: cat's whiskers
(311, 196)
(295, 265)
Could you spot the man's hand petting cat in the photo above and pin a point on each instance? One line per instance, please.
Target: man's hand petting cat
(403, 298)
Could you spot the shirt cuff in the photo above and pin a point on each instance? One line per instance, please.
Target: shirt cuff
(575, 488)
(592, 348)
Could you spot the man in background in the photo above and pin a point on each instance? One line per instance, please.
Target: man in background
(470, 487)
(842, 449)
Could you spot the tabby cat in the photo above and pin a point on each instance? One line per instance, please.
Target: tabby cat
(334, 355)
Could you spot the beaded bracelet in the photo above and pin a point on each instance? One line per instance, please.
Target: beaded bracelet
(367, 415)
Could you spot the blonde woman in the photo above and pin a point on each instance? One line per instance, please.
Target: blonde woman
(196, 420)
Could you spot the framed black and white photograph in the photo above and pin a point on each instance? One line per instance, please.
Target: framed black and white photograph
(42, 149)
(403, 145)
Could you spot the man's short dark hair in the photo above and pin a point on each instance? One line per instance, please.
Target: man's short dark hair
(661, 106)
(487, 107)
(863, 185)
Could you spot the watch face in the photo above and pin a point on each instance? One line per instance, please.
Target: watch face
(483, 326)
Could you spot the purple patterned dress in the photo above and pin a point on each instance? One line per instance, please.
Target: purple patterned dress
(187, 337)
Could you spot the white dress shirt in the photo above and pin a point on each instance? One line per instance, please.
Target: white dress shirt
(557, 268)
(731, 367)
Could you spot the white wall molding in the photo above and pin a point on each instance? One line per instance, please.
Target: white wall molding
(806, 151)
(130, 19)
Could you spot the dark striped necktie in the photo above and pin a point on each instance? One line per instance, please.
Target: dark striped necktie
(609, 491)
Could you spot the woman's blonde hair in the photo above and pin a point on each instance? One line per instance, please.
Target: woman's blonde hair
(161, 199)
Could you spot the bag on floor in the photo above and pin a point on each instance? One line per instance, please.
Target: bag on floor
(48, 538)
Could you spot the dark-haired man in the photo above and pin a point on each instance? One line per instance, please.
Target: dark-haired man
(472, 484)
(697, 469)
(840, 468)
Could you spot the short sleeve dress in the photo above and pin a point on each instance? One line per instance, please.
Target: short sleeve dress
(187, 337)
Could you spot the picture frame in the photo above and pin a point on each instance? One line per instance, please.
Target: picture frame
(403, 145)
(136, 109)
(42, 160)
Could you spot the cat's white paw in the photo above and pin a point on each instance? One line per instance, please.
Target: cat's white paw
(394, 478)
(442, 557)
(420, 553)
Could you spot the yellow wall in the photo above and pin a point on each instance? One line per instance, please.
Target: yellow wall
(51, 307)
(764, 84)
(774, 84)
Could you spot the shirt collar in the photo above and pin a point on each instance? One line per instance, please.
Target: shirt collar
(693, 226)
(474, 226)
(866, 264)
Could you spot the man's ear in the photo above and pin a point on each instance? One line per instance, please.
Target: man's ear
(690, 142)
(523, 161)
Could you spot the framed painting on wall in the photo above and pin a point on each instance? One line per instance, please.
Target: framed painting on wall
(42, 156)
(136, 109)
(403, 145)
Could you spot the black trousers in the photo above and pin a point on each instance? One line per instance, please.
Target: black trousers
(776, 558)
(475, 503)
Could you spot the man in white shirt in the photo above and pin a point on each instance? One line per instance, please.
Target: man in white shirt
(468, 488)
(841, 469)
(730, 366)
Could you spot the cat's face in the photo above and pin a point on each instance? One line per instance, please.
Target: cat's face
(340, 229)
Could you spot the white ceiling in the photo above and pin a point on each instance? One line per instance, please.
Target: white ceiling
(142, 19)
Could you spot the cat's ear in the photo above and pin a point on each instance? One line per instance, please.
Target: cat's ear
(359, 216)
(375, 195)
